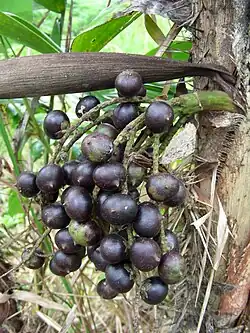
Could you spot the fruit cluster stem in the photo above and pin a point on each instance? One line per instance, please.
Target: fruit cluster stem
(156, 147)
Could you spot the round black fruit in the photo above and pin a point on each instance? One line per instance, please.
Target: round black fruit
(54, 216)
(55, 269)
(148, 220)
(107, 129)
(78, 203)
(85, 104)
(65, 243)
(153, 290)
(162, 186)
(113, 248)
(119, 209)
(64, 194)
(123, 114)
(96, 258)
(128, 83)
(118, 153)
(110, 176)
(97, 147)
(119, 277)
(105, 291)
(178, 198)
(171, 241)
(136, 175)
(171, 267)
(67, 262)
(101, 197)
(68, 169)
(159, 117)
(48, 198)
(35, 261)
(26, 184)
(86, 234)
(82, 175)
(50, 178)
(55, 123)
(142, 92)
(145, 254)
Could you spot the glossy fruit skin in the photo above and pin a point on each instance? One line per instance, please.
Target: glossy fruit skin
(48, 198)
(64, 193)
(78, 203)
(148, 220)
(98, 148)
(95, 256)
(105, 291)
(171, 267)
(36, 261)
(65, 242)
(101, 197)
(177, 199)
(68, 169)
(86, 234)
(145, 254)
(67, 262)
(26, 184)
(162, 186)
(136, 175)
(171, 241)
(85, 104)
(54, 216)
(109, 176)
(50, 178)
(55, 269)
(159, 117)
(54, 123)
(107, 129)
(113, 248)
(119, 209)
(153, 290)
(83, 175)
(128, 83)
(142, 92)
(123, 114)
(119, 278)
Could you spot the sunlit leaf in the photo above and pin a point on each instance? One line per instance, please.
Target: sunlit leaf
(154, 30)
(57, 6)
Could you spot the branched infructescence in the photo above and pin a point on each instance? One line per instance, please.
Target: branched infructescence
(101, 212)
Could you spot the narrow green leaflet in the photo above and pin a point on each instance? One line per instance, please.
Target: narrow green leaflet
(25, 33)
(14, 205)
(56, 32)
(179, 50)
(57, 6)
(153, 30)
(95, 39)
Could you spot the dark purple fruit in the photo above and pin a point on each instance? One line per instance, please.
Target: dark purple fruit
(113, 248)
(78, 203)
(145, 254)
(64, 193)
(101, 197)
(119, 209)
(55, 123)
(85, 104)
(128, 83)
(178, 198)
(136, 175)
(67, 262)
(107, 129)
(159, 117)
(86, 234)
(50, 178)
(55, 269)
(54, 216)
(110, 176)
(65, 243)
(119, 277)
(97, 147)
(123, 114)
(26, 184)
(82, 175)
(35, 261)
(48, 198)
(105, 291)
(171, 267)
(118, 153)
(142, 92)
(68, 168)
(171, 241)
(95, 256)
(148, 220)
(153, 290)
(135, 194)
(162, 186)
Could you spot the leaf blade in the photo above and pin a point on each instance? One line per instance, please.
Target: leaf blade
(57, 6)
